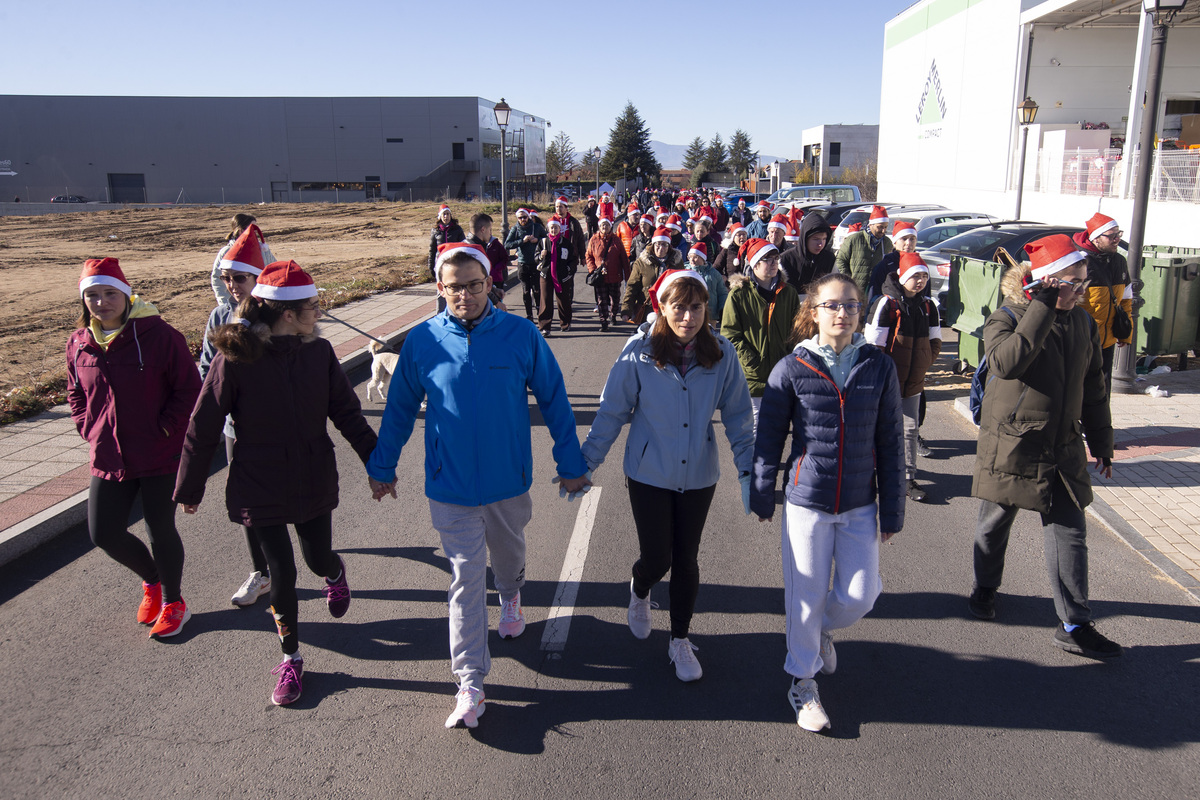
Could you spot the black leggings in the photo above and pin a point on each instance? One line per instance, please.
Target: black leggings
(669, 525)
(316, 545)
(109, 504)
(256, 552)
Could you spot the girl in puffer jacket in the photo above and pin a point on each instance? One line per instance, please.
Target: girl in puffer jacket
(840, 399)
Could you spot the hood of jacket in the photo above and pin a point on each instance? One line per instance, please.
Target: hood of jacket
(810, 224)
(1012, 283)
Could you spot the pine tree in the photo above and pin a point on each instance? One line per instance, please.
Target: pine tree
(560, 156)
(741, 153)
(629, 148)
(694, 156)
(716, 156)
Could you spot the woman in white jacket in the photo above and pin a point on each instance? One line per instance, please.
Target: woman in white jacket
(240, 223)
(669, 381)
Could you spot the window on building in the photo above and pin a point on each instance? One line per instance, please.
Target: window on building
(395, 141)
(459, 150)
(395, 186)
(1183, 107)
(491, 151)
(327, 186)
(835, 154)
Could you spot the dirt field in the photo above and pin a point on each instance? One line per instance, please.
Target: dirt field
(167, 255)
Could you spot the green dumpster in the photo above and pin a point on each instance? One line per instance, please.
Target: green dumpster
(973, 295)
(1170, 318)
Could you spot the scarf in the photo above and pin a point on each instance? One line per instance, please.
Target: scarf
(555, 252)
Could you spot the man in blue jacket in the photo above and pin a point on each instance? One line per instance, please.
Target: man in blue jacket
(474, 364)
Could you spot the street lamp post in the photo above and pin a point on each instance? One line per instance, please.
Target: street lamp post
(1026, 111)
(1124, 377)
(775, 177)
(502, 111)
(624, 184)
(596, 157)
(816, 151)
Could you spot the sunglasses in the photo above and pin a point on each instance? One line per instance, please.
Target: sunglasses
(238, 278)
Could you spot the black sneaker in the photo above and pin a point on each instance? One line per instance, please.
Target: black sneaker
(982, 603)
(1086, 641)
(923, 449)
(916, 493)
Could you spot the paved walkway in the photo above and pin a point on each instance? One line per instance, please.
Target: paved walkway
(44, 464)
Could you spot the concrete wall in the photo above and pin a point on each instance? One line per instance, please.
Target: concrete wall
(859, 145)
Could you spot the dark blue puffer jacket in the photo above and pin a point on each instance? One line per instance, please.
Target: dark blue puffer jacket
(847, 446)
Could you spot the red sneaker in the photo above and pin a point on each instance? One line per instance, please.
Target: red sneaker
(151, 605)
(171, 620)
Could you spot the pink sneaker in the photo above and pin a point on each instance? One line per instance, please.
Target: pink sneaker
(288, 689)
(468, 709)
(512, 618)
(337, 594)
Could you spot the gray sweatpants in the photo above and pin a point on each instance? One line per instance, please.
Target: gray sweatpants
(910, 408)
(469, 534)
(1064, 534)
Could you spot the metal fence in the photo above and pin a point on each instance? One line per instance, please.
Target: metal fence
(1101, 173)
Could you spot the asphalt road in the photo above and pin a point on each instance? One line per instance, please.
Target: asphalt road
(926, 702)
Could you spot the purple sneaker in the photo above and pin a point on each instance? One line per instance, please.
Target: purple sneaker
(288, 689)
(337, 594)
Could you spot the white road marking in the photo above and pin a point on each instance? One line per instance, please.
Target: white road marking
(558, 621)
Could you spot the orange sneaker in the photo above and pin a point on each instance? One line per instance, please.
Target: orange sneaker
(151, 605)
(170, 621)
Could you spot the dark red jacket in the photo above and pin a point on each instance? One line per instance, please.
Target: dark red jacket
(124, 398)
(283, 469)
(610, 255)
(497, 257)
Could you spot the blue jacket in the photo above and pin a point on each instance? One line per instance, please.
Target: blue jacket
(847, 445)
(671, 443)
(472, 380)
(757, 229)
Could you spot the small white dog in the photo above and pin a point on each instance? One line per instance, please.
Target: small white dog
(383, 364)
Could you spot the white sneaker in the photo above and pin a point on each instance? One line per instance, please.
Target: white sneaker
(255, 587)
(687, 668)
(468, 708)
(810, 714)
(639, 613)
(512, 618)
(828, 654)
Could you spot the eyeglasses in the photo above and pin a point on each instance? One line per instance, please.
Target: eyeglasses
(851, 309)
(1113, 236)
(238, 278)
(1078, 286)
(311, 307)
(458, 289)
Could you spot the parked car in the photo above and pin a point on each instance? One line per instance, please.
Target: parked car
(936, 234)
(806, 203)
(69, 198)
(833, 212)
(829, 192)
(922, 220)
(863, 213)
(731, 199)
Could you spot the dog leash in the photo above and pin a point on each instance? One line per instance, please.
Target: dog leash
(386, 346)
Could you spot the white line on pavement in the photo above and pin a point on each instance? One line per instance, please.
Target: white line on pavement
(558, 621)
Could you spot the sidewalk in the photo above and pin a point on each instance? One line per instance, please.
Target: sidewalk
(44, 470)
(1153, 499)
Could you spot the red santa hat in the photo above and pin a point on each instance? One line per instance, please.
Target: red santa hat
(661, 213)
(734, 228)
(1052, 254)
(878, 214)
(245, 254)
(755, 250)
(604, 220)
(632, 207)
(675, 223)
(903, 228)
(703, 218)
(284, 281)
(562, 199)
(911, 263)
(778, 221)
(791, 234)
(1098, 224)
(669, 277)
(764, 204)
(450, 249)
(443, 207)
(854, 227)
(648, 219)
(604, 197)
(104, 272)
(661, 235)
(521, 211)
(701, 249)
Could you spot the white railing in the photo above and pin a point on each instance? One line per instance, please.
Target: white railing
(1101, 173)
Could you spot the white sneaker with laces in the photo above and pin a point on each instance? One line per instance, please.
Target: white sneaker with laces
(639, 613)
(468, 708)
(512, 618)
(255, 587)
(810, 714)
(687, 668)
(828, 654)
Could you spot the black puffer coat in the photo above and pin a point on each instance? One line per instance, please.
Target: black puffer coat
(443, 234)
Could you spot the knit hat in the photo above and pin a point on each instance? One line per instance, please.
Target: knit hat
(699, 248)
(448, 250)
(669, 277)
(661, 235)
(245, 255)
(911, 263)
(1052, 254)
(754, 250)
(284, 281)
(675, 223)
(878, 214)
(104, 272)
(1099, 224)
(903, 229)
(778, 221)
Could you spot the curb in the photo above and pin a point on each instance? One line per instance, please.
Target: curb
(44, 526)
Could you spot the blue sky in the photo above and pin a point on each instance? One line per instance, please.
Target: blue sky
(767, 69)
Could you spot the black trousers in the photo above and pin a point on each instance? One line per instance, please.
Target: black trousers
(669, 525)
(256, 554)
(1107, 356)
(316, 545)
(109, 504)
(531, 289)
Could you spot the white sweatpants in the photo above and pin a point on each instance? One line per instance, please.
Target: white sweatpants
(815, 544)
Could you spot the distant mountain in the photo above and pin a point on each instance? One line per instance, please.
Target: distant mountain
(671, 155)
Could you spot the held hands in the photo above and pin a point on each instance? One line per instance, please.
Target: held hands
(744, 480)
(571, 488)
(380, 489)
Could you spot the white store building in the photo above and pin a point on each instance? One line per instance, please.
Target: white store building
(954, 72)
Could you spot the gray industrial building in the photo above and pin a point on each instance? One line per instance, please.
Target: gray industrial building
(262, 149)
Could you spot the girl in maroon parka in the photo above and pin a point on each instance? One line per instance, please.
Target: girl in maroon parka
(131, 384)
(280, 383)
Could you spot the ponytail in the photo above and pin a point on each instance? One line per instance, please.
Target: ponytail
(244, 340)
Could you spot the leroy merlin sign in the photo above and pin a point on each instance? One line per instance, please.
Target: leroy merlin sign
(6, 168)
(931, 110)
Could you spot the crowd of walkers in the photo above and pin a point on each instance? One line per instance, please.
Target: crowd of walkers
(747, 313)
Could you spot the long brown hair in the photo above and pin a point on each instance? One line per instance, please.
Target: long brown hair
(240, 222)
(664, 343)
(85, 317)
(238, 342)
(805, 326)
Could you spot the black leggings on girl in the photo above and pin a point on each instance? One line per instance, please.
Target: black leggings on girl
(669, 525)
(316, 545)
(256, 554)
(109, 504)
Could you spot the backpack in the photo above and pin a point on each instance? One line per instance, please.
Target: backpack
(979, 381)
